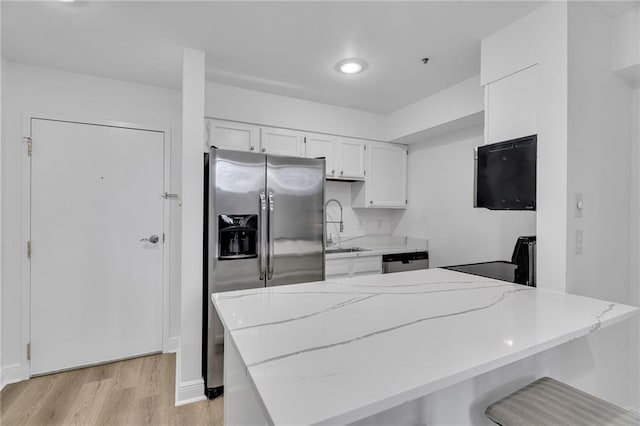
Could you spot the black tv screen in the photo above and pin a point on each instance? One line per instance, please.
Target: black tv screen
(506, 175)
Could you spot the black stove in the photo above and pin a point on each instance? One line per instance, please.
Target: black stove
(520, 270)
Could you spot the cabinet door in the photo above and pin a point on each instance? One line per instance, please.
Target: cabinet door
(322, 146)
(351, 156)
(367, 265)
(512, 107)
(387, 175)
(281, 142)
(235, 136)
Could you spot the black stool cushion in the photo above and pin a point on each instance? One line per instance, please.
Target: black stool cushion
(550, 402)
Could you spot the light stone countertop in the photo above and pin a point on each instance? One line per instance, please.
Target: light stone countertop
(340, 350)
(377, 245)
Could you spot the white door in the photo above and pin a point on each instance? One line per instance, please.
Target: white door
(322, 146)
(96, 288)
(282, 142)
(235, 136)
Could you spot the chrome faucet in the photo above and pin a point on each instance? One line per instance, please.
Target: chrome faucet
(329, 240)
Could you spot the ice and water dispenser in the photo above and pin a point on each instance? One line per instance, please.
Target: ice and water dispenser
(238, 235)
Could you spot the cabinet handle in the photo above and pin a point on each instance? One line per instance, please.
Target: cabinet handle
(333, 172)
(252, 148)
(341, 172)
(263, 149)
(371, 202)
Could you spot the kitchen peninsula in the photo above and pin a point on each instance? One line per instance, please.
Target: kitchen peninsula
(344, 350)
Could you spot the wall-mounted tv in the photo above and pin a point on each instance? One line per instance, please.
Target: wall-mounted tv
(505, 177)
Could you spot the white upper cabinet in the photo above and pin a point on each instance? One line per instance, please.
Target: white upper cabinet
(235, 136)
(345, 157)
(386, 183)
(281, 142)
(377, 170)
(351, 155)
(318, 145)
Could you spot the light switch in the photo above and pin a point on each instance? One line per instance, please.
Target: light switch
(578, 206)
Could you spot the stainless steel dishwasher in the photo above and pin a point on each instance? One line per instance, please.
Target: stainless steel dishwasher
(405, 262)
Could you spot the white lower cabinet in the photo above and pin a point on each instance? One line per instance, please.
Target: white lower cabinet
(353, 266)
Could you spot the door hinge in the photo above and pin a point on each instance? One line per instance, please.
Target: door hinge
(163, 237)
(406, 201)
(29, 248)
(29, 143)
(365, 147)
(365, 172)
(305, 139)
(29, 351)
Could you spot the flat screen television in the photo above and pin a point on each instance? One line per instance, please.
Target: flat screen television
(506, 175)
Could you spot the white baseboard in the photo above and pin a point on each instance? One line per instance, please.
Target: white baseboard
(190, 391)
(12, 374)
(172, 345)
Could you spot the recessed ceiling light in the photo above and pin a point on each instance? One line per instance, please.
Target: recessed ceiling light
(351, 66)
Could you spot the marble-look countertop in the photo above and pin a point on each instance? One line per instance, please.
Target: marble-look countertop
(340, 350)
(377, 245)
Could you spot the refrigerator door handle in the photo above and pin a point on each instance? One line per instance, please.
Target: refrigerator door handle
(271, 236)
(263, 235)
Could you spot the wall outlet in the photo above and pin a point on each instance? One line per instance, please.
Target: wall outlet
(579, 241)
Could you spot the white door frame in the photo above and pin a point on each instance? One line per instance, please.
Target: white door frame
(25, 331)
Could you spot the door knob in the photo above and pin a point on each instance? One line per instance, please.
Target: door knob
(152, 239)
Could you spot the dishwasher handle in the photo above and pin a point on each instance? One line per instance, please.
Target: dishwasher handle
(405, 262)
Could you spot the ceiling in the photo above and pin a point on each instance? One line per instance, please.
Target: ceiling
(285, 48)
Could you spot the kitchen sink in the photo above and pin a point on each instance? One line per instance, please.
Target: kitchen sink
(344, 250)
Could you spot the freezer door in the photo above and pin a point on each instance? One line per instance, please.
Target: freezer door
(295, 193)
(235, 240)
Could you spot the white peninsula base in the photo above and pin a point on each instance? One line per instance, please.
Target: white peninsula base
(420, 347)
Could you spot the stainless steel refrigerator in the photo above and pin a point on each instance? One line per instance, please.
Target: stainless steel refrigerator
(264, 221)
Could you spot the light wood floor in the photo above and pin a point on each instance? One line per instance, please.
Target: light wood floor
(134, 392)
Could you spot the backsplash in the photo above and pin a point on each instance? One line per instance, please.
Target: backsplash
(357, 221)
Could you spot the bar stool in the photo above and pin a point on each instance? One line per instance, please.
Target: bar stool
(550, 402)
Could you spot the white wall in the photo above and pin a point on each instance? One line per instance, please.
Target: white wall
(441, 205)
(635, 236)
(625, 48)
(189, 383)
(539, 38)
(599, 167)
(356, 221)
(42, 90)
(233, 103)
(599, 160)
(453, 104)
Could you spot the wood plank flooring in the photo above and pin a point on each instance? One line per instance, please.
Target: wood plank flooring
(133, 392)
